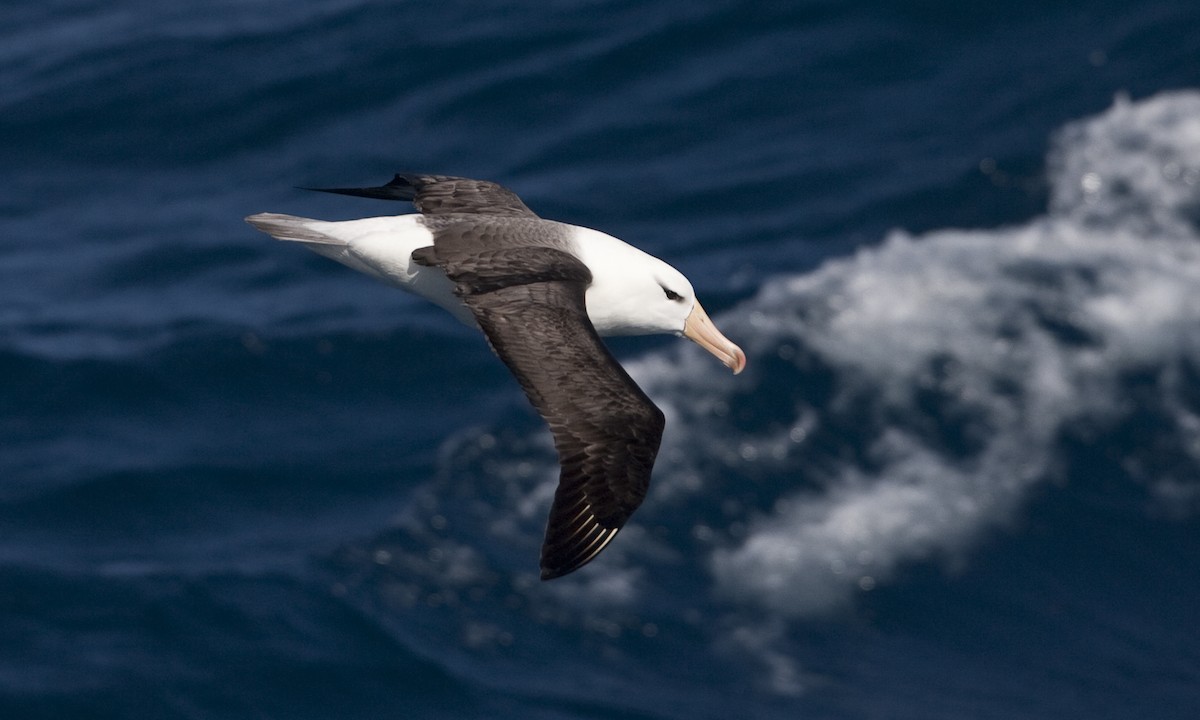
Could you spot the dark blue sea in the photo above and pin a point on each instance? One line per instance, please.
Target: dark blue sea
(960, 478)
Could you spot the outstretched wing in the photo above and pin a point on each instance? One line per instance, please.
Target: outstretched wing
(529, 301)
(444, 195)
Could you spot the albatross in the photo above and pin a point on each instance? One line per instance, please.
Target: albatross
(542, 292)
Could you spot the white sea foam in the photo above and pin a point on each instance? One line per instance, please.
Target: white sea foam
(961, 355)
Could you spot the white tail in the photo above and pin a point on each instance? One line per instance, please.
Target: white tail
(378, 246)
(294, 229)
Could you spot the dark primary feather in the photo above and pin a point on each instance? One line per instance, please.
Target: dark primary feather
(530, 303)
(444, 195)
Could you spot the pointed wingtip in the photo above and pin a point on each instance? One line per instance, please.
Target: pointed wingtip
(552, 573)
(403, 186)
(568, 554)
(383, 192)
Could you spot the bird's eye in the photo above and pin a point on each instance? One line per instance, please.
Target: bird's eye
(671, 294)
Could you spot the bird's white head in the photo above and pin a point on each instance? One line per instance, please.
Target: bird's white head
(634, 293)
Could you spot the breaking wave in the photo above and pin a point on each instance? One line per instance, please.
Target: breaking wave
(899, 405)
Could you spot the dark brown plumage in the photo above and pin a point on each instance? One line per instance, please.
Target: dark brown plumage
(530, 303)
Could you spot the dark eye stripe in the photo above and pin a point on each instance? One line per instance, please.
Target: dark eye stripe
(671, 294)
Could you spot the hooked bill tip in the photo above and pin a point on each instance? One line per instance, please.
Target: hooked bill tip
(738, 363)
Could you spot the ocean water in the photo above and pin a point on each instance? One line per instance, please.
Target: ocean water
(960, 477)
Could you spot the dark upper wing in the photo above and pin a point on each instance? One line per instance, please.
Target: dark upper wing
(529, 301)
(606, 430)
(444, 195)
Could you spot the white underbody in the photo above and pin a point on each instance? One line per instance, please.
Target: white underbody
(625, 280)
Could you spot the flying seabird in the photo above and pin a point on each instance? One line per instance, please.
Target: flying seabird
(542, 292)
